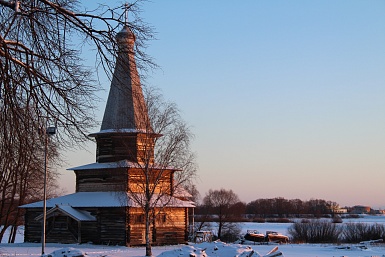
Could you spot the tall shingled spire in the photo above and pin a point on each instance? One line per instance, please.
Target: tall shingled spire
(125, 109)
(125, 121)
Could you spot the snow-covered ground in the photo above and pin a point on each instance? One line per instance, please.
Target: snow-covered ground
(205, 249)
(210, 249)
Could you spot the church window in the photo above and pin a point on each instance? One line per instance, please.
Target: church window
(138, 218)
(161, 218)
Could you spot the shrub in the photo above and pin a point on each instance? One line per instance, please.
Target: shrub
(230, 236)
(298, 232)
(357, 232)
(231, 232)
(314, 232)
(309, 231)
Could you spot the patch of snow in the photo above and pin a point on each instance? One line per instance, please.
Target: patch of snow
(217, 249)
(66, 252)
(85, 199)
(119, 164)
(107, 165)
(122, 130)
(107, 199)
(210, 249)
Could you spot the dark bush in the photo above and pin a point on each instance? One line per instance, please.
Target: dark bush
(230, 236)
(357, 232)
(314, 232)
(309, 231)
(278, 220)
(258, 220)
(231, 233)
(298, 232)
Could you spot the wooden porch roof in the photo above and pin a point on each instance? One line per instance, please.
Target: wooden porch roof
(78, 215)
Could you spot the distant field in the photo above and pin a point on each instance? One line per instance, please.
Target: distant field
(282, 227)
(262, 227)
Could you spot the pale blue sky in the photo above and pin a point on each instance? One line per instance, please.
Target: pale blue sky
(285, 98)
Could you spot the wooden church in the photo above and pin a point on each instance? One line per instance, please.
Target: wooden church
(107, 205)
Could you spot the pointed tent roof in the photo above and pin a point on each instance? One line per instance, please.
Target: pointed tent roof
(126, 111)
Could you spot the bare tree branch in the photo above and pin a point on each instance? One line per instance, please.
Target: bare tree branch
(42, 76)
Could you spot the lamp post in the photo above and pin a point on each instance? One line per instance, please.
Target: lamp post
(48, 132)
(1, 102)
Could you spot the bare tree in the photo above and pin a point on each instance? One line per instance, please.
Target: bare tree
(40, 45)
(21, 164)
(333, 207)
(42, 75)
(220, 202)
(193, 191)
(166, 164)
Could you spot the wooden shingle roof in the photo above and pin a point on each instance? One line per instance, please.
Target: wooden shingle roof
(125, 109)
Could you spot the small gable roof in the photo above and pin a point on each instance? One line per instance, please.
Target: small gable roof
(78, 215)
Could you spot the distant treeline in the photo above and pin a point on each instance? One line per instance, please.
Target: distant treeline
(274, 207)
(281, 207)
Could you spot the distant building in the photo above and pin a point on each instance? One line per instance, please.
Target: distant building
(360, 209)
(103, 209)
(342, 210)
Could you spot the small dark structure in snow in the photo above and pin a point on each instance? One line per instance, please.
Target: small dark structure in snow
(255, 236)
(203, 236)
(270, 236)
(102, 209)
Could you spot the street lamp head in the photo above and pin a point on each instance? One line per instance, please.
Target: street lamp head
(51, 130)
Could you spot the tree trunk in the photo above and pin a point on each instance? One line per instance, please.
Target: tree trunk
(2, 231)
(148, 242)
(12, 234)
(220, 228)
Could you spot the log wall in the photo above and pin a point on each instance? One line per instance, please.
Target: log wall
(174, 229)
(133, 147)
(110, 227)
(112, 222)
(101, 180)
(32, 229)
(170, 227)
(160, 179)
(136, 227)
(121, 225)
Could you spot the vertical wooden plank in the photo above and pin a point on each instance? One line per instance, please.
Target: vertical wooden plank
(79, 232)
